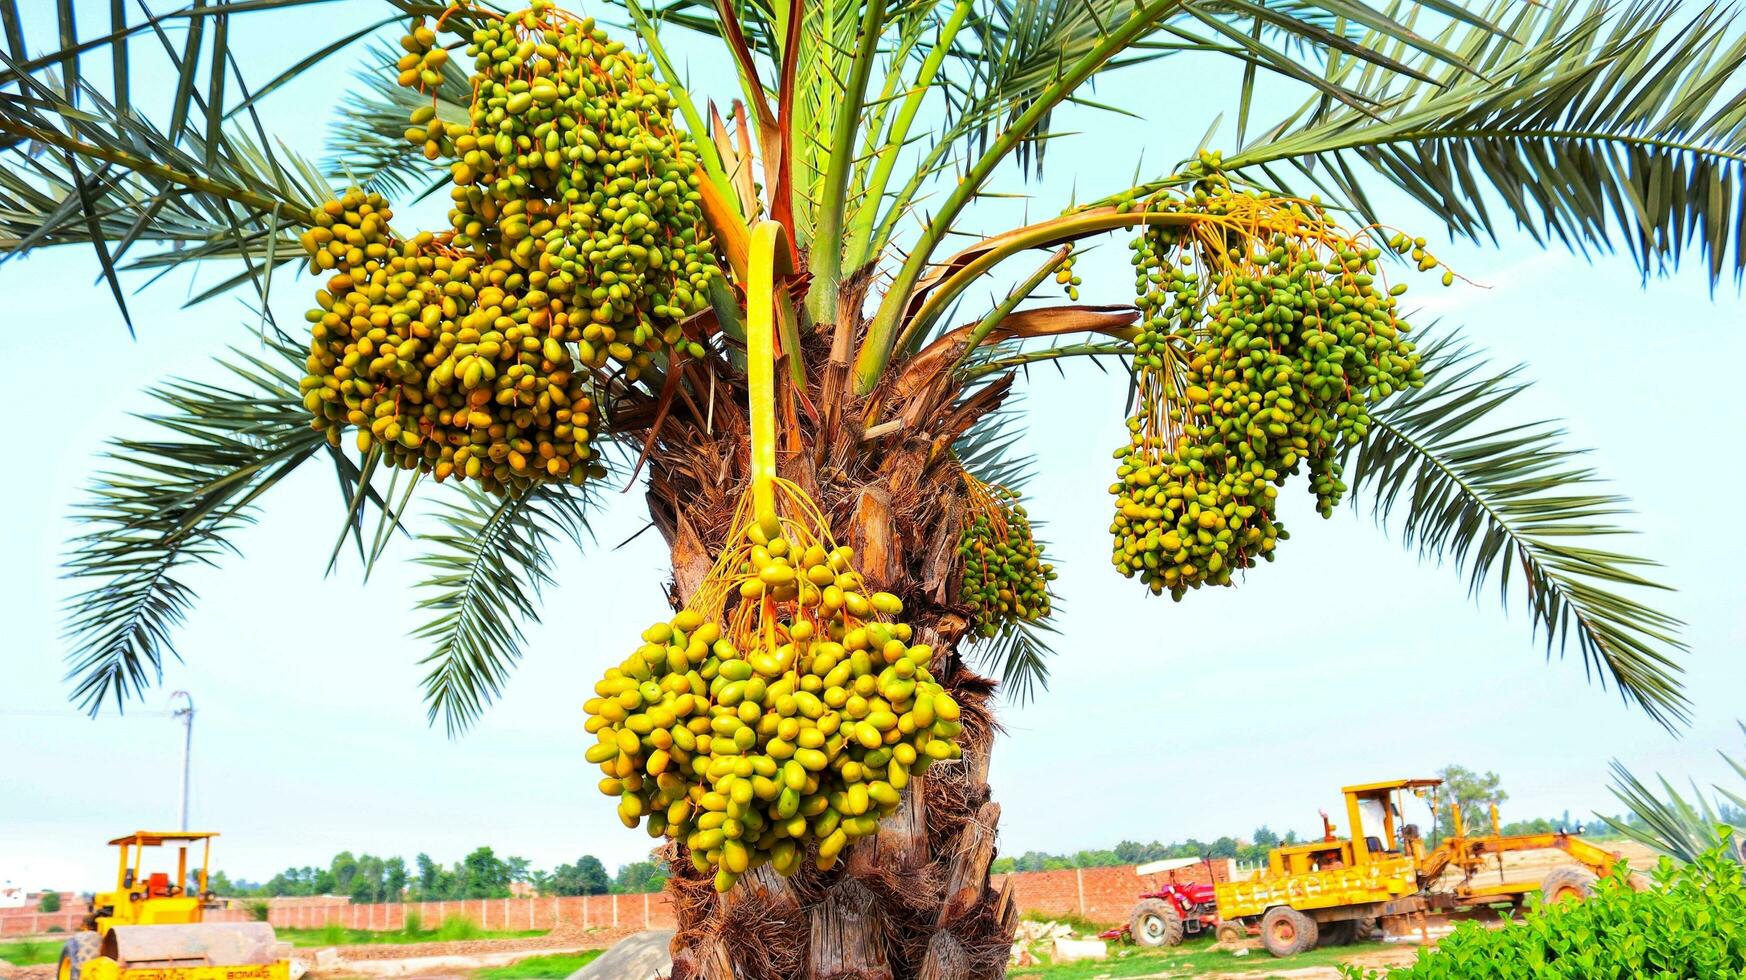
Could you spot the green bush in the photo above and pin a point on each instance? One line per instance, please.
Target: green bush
(334, 934)
(259, 911)
(456, 928)
(1692, 923)
(49, 902)
(414, 923)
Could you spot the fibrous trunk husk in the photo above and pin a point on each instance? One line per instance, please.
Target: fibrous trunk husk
(914, 900)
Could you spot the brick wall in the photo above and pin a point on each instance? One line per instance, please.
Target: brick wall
(1098, 894)
(652, 911)
(1101, 894)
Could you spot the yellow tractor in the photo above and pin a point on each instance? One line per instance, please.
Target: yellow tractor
(152, 926)
(1333, 890)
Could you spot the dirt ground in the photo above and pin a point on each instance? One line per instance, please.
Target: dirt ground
(1389, 954)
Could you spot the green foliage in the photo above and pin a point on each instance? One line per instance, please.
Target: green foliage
(458, 927)
(1674, 825)
(451, 929)
(259, 911)
(49, 902)
(413, 923)
(540, 967)
(1691, 923)
(29, 952)
(586, 877)
(366, 879)
(1474, 792)
(638, 877)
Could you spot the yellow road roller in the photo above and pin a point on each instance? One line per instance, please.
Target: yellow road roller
(152, 925)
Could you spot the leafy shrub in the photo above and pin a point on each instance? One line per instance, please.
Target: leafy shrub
(259, 911)
(49, 902)
(456, 928)
(334, 934)
(1692, 923)
(414, 923)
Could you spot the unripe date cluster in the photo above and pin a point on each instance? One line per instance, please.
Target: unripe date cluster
(788, 747)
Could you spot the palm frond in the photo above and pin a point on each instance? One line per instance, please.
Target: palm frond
(1500, 498)
(1591, 126)
(169, 503)
(489, 560)
(367, 144)
(1019, 655)
(113, 181)
(1670, 823)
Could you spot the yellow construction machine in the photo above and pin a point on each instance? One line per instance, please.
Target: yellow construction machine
(1331, 891)
(152, 926)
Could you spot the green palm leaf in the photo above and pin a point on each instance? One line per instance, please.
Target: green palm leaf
(114, 181)
(1500, 500)
(488, 563)
(172, 502)
(1590, 126)
(1672, 824)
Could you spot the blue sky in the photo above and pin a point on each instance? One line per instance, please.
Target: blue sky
(1346, 660)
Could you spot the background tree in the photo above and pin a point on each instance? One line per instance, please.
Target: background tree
(49, 902)
(638, 877)
(856, 122)
(1475, 792)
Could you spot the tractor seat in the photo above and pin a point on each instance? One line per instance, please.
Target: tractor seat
(1374, 844)
(158, 885)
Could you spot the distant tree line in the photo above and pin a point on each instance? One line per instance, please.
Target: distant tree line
(366, 878)
(1133, 852)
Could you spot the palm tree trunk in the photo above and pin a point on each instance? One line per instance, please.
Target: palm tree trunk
(913, 901)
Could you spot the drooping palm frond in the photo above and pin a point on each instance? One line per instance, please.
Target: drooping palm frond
(1019, 654)
(1674, 825)
(367, 144)
(489, 561)
(113, 180)
(1591, 126)
(992, 452)
(170, 503)
(1500, 499)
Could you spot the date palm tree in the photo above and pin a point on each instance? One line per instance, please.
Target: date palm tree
(867, 129)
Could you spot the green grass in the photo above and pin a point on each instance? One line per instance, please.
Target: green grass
(451, 930)
(29, 952)
(1188, 960)
(558, 965)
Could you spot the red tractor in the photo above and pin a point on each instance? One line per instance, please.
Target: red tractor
(1170, 914)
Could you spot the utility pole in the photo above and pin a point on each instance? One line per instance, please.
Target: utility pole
(186, 713)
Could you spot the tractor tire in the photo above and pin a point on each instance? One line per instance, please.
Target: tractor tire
(1286, 932)
(74, 952)
(1340, 932)
(1368, 930)
(1231, 933)
(1566, 884)
(1155, 924)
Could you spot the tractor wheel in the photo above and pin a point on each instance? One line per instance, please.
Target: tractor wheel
(1368, 930)
(1155, 923)
(1340, 932)
(1231, 932)
(1286, 932)
(1566, 884)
